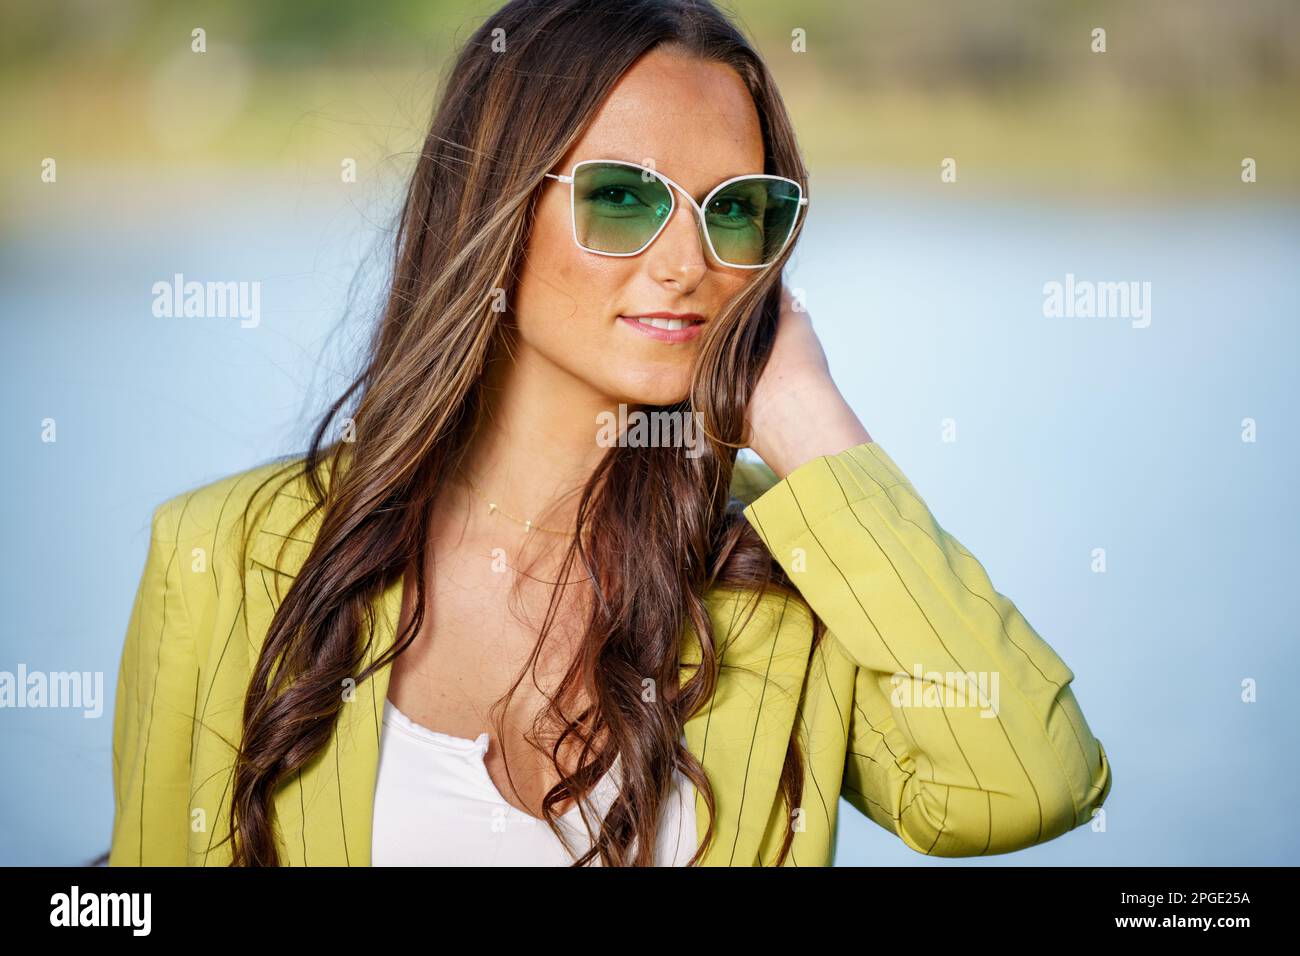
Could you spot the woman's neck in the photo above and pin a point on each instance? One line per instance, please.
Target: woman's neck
(536, 446)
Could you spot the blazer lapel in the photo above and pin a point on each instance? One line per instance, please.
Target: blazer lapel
(741, 735)
(325, 815)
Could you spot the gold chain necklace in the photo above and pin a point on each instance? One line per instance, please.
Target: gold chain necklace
(493, 508)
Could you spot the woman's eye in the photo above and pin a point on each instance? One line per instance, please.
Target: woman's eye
(732, 208)
(615, 196)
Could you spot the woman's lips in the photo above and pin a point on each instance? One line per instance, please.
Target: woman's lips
(684, 334)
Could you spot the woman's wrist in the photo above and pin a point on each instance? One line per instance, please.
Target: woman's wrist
(806, 423)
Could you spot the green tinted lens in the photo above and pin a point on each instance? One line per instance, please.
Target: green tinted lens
(616, 208)
(750, 220)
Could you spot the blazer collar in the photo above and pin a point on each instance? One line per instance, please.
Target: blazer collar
(740, 737)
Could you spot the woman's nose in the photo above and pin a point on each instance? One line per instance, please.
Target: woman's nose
(681, 247)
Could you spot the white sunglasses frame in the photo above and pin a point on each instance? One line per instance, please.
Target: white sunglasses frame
(698, 207)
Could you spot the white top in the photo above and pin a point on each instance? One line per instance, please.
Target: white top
(436, 805)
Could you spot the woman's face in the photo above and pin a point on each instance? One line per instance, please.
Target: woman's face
(694, 121)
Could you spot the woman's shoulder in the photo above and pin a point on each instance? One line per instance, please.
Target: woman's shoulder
(210, 523)
(219, 522)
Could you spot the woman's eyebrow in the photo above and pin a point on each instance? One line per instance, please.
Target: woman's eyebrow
(697, 196)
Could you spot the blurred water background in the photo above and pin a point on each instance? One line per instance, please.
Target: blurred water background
(1071, 433)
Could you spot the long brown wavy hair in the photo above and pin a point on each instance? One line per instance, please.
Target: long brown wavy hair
(656, 530)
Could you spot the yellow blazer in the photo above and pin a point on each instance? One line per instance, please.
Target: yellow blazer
(931, 706)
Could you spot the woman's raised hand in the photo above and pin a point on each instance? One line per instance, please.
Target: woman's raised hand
(797, 413)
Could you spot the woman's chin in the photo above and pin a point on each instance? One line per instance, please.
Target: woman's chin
(657, 395)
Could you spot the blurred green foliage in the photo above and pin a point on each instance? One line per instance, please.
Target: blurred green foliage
(1185, 89)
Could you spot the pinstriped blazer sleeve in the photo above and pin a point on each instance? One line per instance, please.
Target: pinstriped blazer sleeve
(153, 712)
(965, 737)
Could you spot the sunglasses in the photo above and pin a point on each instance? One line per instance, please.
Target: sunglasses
(620, 208)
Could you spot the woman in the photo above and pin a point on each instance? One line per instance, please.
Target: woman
(472, 628)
